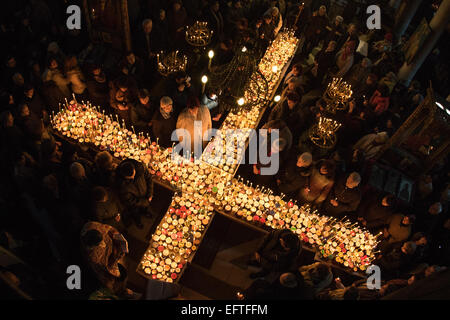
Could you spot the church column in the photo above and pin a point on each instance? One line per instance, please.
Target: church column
(404, 17)
(126, 24)
(437, 25)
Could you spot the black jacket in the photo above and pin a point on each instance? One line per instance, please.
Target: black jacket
(273, 256)
(374, 213)
(163, 128)
(348, 199)
(134, 194)
(293, 178)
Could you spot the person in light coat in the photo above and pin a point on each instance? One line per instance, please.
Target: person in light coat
(186, 120)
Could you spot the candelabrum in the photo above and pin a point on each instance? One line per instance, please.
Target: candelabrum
(323, 134)
(337, 94)
(199, 35)
(171, 62)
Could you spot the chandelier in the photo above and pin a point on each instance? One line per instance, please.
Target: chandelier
(199, 35)
(240, 85)
(323, 133)
(337, 94)
(170, 62)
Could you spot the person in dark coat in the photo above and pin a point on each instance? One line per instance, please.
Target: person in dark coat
(34, 101)
(316, 30)
(215, 20)
(396, 258)
(335, 30)
(288, 286)
(135, 191)
(323, 61)
(164, 122)
(133, 66)
(265, 30)
(398, 229)
(142, 112)
(122, 99)
(293, 176)
(78, 188)
(147, 41)
(104, 169)
(375, 211)
(288, 111)
(107, 207)
(180, 90)
(12, 139)
(344, 197)
(276, 253)
(98, 89)
(178, 20)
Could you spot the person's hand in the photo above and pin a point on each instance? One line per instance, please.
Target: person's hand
(278, 181)
(125, 70)
(338, 283)
(239, 296)
(257, 257)
(150, 123)
(255, 169)
(307, 189)
(334, 203)
(180, 29)
(117, 218)
(122, 107)
(150, 199)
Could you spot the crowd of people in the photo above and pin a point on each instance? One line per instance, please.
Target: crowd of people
(57, 197)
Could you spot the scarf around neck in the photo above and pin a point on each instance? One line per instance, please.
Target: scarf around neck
(164, 114)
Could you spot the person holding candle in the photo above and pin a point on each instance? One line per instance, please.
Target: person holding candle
(121, 98)
(293, 175)
(344, 197)
(315, 189)
(375, 211)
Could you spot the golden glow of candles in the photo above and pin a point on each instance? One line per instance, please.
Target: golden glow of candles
(204, 79)
(241, 101)
(277, 98)
(211, 54)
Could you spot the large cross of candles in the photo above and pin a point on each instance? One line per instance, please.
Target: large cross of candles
(204, 188)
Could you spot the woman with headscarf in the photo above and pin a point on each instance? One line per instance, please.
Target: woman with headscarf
(345, 58)
(164, 122)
